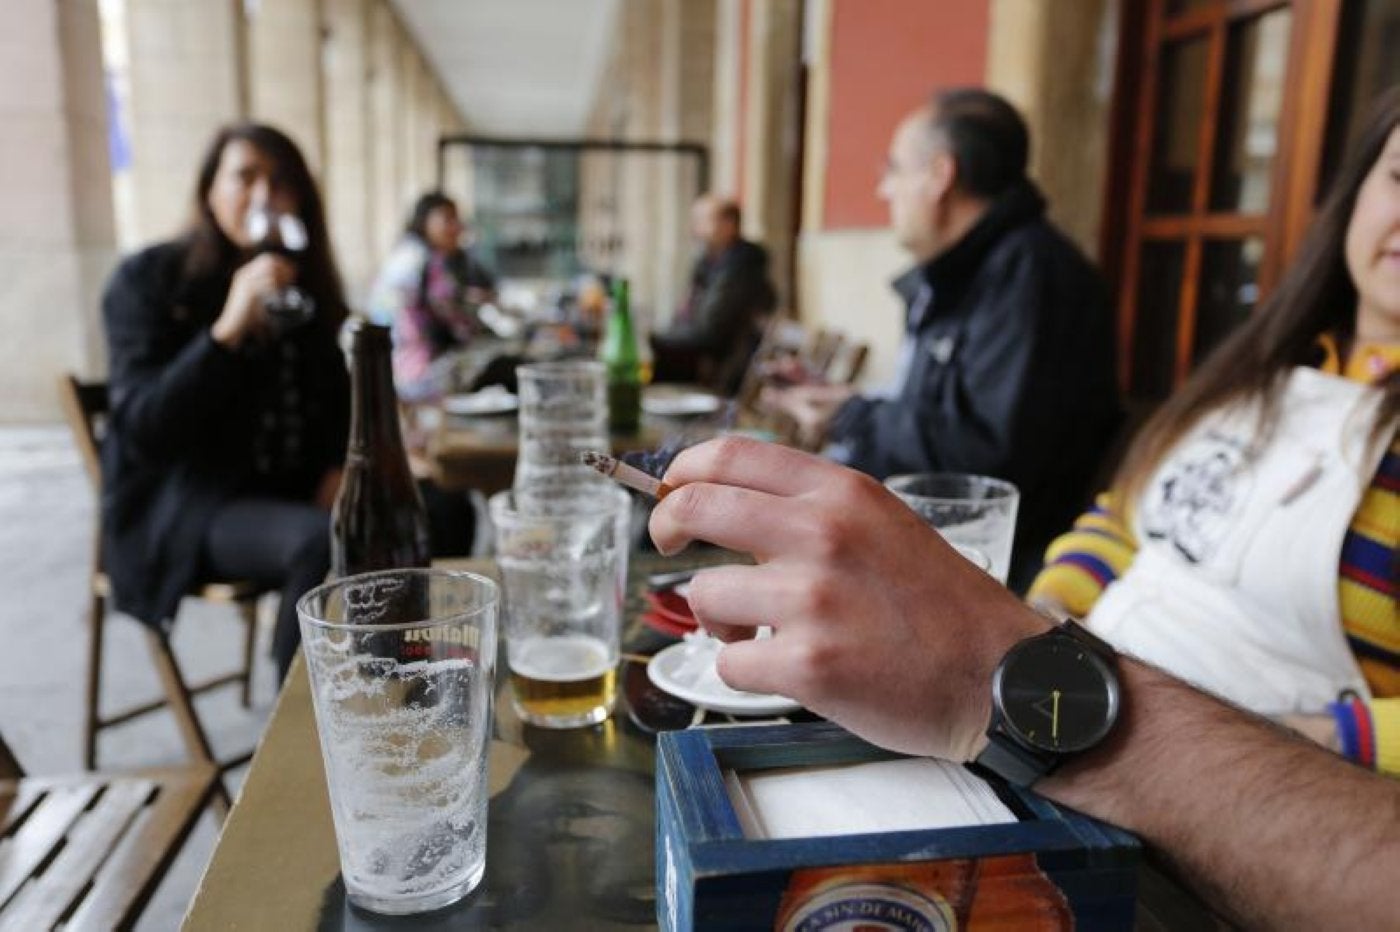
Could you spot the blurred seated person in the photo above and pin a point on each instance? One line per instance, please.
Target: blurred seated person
(1006, 368)
(429, 291)
(1250, 542)
(227, 428)
(716, 330)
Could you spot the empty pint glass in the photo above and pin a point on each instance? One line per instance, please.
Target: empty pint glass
(564, 570)
(402, 668)
(563, 414)
(976, 514)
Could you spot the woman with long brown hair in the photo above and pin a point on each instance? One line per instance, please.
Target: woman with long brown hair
(1249, 542)
(228, 422)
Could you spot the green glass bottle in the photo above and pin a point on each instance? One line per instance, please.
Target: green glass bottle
(619, 354)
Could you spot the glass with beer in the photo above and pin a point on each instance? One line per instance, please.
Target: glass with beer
(563, 565)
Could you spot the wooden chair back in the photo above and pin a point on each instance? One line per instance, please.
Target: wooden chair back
(9, 767)
(85, 408)
(782, 336)
(824, 350)
(848, 363)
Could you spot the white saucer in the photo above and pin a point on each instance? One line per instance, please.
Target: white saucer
(674, 670)
(487, 401)
(680, 404)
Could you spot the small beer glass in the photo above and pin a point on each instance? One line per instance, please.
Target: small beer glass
(976, 514)
(564, 570)
(402, 668)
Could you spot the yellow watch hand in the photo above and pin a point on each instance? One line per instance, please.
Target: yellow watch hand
(1055, 715)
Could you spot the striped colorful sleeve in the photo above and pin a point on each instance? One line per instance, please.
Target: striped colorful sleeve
(1367, 579)
(1080, 563)
(1367, 589)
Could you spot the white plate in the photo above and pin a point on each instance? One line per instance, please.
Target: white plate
(486, 401)
(675, 670)
(680, 404)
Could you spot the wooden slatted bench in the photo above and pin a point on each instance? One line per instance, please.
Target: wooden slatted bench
(87, 852)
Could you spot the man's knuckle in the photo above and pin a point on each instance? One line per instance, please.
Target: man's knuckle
(827, 536)
(686, 503)
(818, 599)
(724, 449)
(813, 660)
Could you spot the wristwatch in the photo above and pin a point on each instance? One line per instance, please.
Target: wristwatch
(1054, 695)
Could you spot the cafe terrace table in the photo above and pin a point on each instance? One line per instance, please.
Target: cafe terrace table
(569, 837)
(465, 453)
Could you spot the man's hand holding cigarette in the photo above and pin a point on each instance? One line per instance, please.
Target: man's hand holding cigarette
(878, 624)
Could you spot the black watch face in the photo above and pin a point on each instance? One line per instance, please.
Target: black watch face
(1056, 694)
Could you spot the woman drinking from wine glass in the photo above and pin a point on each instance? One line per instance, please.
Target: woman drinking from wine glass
(228, 411)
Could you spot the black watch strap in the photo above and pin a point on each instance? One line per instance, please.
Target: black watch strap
(1015, 764)
(1089, 639)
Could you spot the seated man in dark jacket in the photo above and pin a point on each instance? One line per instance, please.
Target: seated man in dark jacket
(716, 330)
(1007, 364)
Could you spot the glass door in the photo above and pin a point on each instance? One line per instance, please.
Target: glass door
(1197, 242)
(1232, 118)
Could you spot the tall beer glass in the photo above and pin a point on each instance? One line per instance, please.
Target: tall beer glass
(563, 414)
(402, 666)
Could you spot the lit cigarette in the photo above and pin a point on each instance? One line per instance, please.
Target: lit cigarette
(630, 476)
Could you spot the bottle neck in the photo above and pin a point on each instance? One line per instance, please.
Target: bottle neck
(620, 326)
(374, 412)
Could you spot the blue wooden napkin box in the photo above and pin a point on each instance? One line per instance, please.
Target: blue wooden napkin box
(1054, 869)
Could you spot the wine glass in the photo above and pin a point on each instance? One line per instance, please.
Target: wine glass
(285, 235)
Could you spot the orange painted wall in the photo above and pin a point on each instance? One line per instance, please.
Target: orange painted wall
(886, 56)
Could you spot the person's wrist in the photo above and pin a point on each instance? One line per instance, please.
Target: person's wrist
(225, 334)
(1014, 625)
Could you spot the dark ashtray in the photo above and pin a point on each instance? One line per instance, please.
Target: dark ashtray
(649, 707)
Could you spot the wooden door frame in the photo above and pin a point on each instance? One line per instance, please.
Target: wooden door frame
(1125, 227)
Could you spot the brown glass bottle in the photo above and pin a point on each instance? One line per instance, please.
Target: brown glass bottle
(378, 521)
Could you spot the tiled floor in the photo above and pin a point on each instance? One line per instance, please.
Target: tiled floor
(46, 526)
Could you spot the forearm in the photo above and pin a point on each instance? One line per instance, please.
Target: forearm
(1244, 787)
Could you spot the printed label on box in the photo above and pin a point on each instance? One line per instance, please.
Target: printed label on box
(937, 896)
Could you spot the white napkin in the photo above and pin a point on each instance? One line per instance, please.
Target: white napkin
(905, 794)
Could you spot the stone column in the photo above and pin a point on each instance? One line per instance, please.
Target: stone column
(1054, 60)
(458, 180)
(728, 105)
(422, 127)
(284, 71)
(772, 133)
(185, 83)
(57, 242)
(347, 173)
(644, 36)
(687, 62)
(386, 127)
